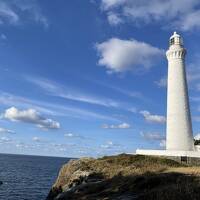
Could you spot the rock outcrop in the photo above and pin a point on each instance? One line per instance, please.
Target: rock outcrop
(125, 177)
(73, 177)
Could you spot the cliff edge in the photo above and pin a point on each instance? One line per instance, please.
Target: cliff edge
(126, 177)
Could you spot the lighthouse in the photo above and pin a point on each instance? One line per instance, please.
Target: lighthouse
(179, 126)
(179, 136)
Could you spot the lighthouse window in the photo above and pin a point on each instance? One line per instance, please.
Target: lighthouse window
(172, 41)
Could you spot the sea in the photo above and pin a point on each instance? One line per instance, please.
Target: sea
(28, 177)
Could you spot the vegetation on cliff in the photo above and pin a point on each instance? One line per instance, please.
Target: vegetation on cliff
(126, 177)
(196, 142)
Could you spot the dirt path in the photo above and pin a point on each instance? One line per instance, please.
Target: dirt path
(185, 170)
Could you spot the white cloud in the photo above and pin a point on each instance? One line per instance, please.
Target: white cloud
(114, 19)
(197, 136)
(52, 108)
(69, 135)
(22, 145)
(4, 130)
(110, 145)
(7, 14)
(15, 12)
(153, 118)
(106, 4)
(118, 126)
(30, 116)
(190, 21)
(110, 142)
(59, 90)
(126, 55)
(133, 110)
(13, 100)
(130, 93)
(163, 143)
(5, 139)
(105, 146)
(181, 14)
(152, 136)
(36, 139)
(72, 135)
(134, 94)
(162, 82)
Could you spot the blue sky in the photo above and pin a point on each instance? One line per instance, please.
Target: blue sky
(88, 78)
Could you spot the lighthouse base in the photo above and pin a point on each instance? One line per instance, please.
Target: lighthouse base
(169, 153)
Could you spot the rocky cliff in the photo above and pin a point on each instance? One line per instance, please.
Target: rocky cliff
(126, 177)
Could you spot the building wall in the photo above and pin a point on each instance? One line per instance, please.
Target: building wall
(190, 161)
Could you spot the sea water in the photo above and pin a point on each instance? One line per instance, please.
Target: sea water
(28, 177)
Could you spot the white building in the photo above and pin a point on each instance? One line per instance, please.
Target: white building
(179, 137)
(179, 125)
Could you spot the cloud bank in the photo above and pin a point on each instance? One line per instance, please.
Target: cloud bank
(180, 14)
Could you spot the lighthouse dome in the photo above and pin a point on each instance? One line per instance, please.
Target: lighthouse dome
(176, 39)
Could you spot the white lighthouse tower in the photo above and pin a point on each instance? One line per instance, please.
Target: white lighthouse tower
(179, 137)
(179, 127)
